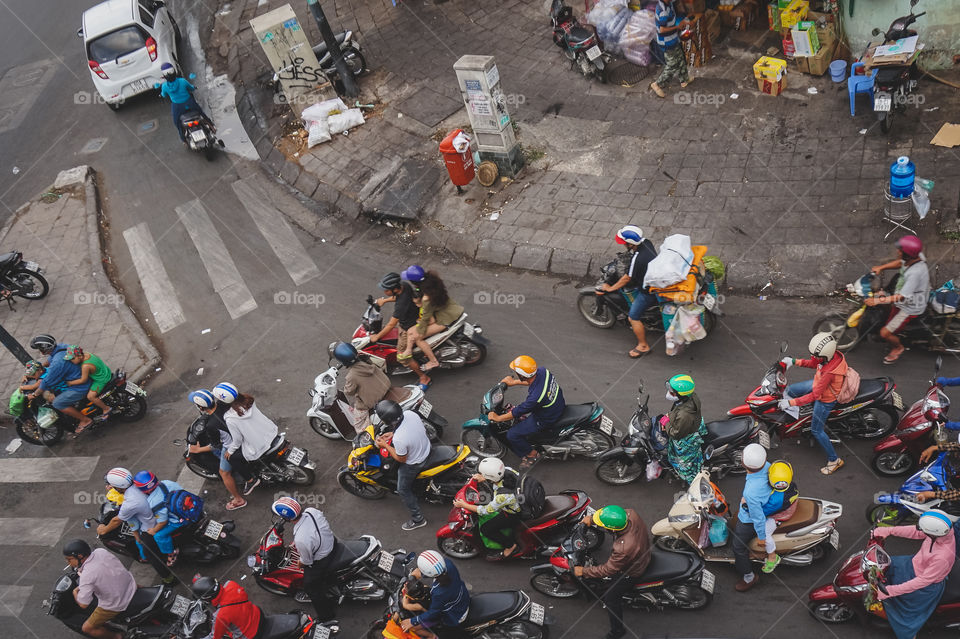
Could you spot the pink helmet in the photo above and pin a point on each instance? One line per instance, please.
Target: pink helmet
(910, 245)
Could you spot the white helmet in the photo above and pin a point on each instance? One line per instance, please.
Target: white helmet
(491, 468)
(431, 563)
(935, 523)
(754, 456)
(119, 478)
(823, 345)
(225, 392)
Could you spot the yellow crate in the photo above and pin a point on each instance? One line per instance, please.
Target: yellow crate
(767, 68)
(794, 13)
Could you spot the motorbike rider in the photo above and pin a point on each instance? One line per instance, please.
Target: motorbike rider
(831, 369)
(952, 448)
(100, 575)
(910, 294)
(915, 584)
(315, 543)
(783, 497)
(166, 522)
(251, 430)
(437, 312)
(543, 406)
(365, 383)
(93, 371)
(32, 372)
(633, 264)
(449, 597)
(628, 560)
(405, 439)
(217, 433)
(53, 385)
(234, 614)
(180, 92)
(751, 520)
(405, 316)
(496, 498)
(685, 427)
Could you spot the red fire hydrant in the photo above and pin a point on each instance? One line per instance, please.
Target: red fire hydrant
(455, 149)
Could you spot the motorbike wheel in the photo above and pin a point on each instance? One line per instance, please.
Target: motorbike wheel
(836, 323)
(886, 121)
(892, 464)
(376, 630)
(584, 65)
(358, 488)
(201, 470)
(587, 303)
(482, 446)
(593, 441)
(476, 353)
(28, 284)
(617, 472)
(831, 611)
(873, 423)
(458, 548)
(552, 585)
(821, 551)
(671, 544)
(128, 407)
(884, 515)
(434, 431)
(299, 476)
(355, 61)
(30, 432)
(518, 629)
(690, 597)
(210, 153)
(324, 427)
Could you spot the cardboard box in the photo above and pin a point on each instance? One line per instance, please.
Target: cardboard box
(714, 24)
(691, 7)
(773, 16)
(697, 50)
(767, 68)
(794, 13)
(772, 87)
(805, 40)
(818, 64)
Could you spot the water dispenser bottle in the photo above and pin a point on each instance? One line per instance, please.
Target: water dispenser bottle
(902, 173)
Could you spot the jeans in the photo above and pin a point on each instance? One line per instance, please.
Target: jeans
(406, 476)
(69, 397)
(178, 109)
(743, 534)
(613, 601)
(821, 411)
(316, 583)
(156, 558)
(641, 302)
(164, 537)
(518, 433)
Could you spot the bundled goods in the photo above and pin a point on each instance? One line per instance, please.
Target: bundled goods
(635, 38)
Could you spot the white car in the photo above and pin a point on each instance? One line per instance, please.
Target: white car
(126, 42)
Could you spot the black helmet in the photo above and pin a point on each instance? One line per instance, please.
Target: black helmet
(76, 548)
(390, 281)
(205, 588)
(389, 412)
(43, 343)
(345, 353)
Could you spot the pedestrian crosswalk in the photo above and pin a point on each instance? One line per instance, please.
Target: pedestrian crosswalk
(52, 469)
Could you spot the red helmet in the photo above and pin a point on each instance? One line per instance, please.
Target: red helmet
(910, 245)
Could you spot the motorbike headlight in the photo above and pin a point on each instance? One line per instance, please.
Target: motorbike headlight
(852, 589)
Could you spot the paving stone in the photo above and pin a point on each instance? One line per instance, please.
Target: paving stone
(570, 262)
(495, 251)
(532, 257)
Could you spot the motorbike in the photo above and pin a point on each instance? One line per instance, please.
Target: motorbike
(806, 533)
(349, 48)
(22, 278)
(579, 44)
(196, 621)
(894, 83)
(461, 538)
(901, 507)
(582, 430)
(329, 409)
(872, 414)
(646, 443)
(365, 571)
(371, 473)
(462, 344)
(198, 131)
(671, 580)
(43, 425)
(283, 463)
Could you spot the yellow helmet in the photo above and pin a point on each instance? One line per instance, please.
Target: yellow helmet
(780, 475)
(524, 366)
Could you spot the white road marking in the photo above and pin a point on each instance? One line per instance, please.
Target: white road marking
(156, 284)
(32, 531)
(226, 279)
(53, 469)
(278, 232)
(13, 599)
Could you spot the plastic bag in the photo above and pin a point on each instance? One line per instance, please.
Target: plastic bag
(653, 469)
(921, 200)
(340, 122)
(319, 133)
(604, 11)
(609, 31)
(672, 263)
(718, 530)
(320, 111)
(46, 417)
(18, 402)
(635, 38)
(690, 325)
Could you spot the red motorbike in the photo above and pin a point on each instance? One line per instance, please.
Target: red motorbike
(460, 537)
(872, 414)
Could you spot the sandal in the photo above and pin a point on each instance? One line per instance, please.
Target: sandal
(172, 557)
(770, 566)
(637, 353)
(891, 358)
(82, 429)
(528, 462)
(832, 467)
(402, 358)
(233, 504)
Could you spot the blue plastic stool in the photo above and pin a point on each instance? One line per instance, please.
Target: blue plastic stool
(859, 84)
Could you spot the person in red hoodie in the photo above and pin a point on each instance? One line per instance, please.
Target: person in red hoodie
(235, 617)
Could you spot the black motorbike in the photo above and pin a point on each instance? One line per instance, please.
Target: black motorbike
(894, 83)
(580, 44)
(671, 580)
(350, 49)
(21, 278)
(199, 133)
(197, 617)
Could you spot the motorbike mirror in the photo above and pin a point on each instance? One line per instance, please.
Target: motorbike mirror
(913, 3)
(80, 32)
(783, 347)
(876, 32)
(178, 442)
(192, 76)
(938, 363)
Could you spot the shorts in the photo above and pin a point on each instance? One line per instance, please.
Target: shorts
(401, 340)
(641, 303)
(224, 462)
(101, 616)
(897, 320)
(69, 397)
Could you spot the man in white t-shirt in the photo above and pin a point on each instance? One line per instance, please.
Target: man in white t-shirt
(407, 442)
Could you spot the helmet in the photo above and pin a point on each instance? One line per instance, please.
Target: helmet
(610, 518)
(935, 523)
(225, 392)
(682, 385)
(32, 368)
(823, 345)
(205, 588)
(76, 548)
(431, 563)
(286, 508)
(145, 481)
(389, 412)
(119, 478)
(910, 245)
(345, 353)
(630, 234)
(43, 343)
(524, 366)
(168, 71)
(754, 456)
(414, 273)
(780, 475)
(203, 398)
(73, 351)
(390, 281)
(491, 468)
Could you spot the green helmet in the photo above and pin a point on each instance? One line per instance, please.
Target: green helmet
(681, 384)
(611, 518)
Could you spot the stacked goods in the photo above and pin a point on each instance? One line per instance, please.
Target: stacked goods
(819, 63)
(771, 75)
(697, 49)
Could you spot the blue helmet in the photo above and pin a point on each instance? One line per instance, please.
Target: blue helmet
(145, 481)
(168, 71)
(345, 353)
(203, 398)
(413, 273)
(286, 508)
(225, 392)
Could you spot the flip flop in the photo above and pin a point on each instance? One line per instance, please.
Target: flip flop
(429, 366)
(637, 354)
(424, 387)
(232, 504)
(82, 429)
(890, 359)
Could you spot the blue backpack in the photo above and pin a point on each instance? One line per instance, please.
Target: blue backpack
(180, 504)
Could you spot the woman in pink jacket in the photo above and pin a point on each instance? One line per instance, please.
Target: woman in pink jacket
(915, 584)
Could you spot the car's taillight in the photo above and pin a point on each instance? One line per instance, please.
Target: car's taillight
(96, 69)
(152, 48)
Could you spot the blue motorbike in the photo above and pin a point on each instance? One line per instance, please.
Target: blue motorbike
(902, 507)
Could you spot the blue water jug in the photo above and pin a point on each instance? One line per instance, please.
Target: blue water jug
(902, 173)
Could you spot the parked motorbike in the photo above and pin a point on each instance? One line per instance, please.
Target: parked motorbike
(894, 83)
(43, 425)
(671, 580)
(579, 44)
(646, 443)
(349, 48)
(23, 279)
(461, 538)
(902, 507)
(462, 344)
(807, 532)
(371, 473)
(197, 618)
(283, 463)
(872, 414)
(582, 430)
(198, 131)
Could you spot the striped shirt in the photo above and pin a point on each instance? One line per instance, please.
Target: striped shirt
(666, 17)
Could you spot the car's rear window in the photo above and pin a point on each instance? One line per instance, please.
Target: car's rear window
(111, 46)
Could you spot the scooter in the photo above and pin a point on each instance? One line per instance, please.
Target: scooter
(22, 278)
(349, 49)
(645, 444)
(198, 131)
(582, 430)
(671, 580)
(894, 83)
(197, 617)
(893, 509)
(872, 414)
(462, 344)
(579, 44)
(461, 538)
(806, 533)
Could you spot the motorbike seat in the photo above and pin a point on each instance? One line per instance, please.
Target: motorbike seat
(440, 455)
(807, 513)
(664, 565)
(887, 75)
(488, 606)
(275, 445)
(577, 35)
(278, 626)
(347, 552)
(143, 599)
(321, 48)
(189, 116)
(870, 389)
(8, 259)
(554, 505)
(573, 414)
(723, 432)
(435, 340)
(118, 375)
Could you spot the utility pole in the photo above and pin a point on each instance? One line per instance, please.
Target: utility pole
(12, 345)
(350, 88)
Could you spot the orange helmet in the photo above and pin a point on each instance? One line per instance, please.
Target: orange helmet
(524, 366)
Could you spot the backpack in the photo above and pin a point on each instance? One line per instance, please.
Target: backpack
(851, 386)
(531, 496)
(180, 504)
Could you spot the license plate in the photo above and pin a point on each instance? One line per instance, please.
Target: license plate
(180, 606)
(198, 136)
(425, 408)
(33, 266)
(133, 389)
(593, 53)
(835, 540)
(709, 301)
(897, 400)
(882, 103)
(708, 581)
(214, 528)
(296, 455)
(764, 438)
(468, 330)
(139, 86)
(606, 425)
(536, 613)
(320, 632)
(385, 562)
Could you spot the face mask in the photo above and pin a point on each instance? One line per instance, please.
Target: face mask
(671, 397)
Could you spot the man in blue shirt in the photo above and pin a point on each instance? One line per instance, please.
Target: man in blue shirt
(543, 406)
(668, 37)
(751, 520)
(449, 598)
(180, 92)
(60, 371)
(166, 522)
